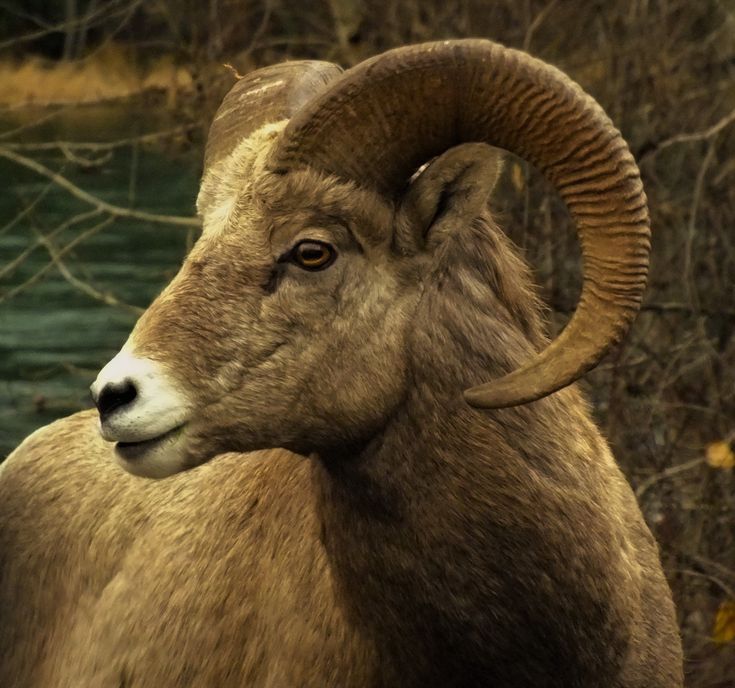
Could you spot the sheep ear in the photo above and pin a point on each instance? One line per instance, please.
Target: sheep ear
(449, 193)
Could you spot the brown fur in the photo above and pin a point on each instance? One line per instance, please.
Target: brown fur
(198, 580)
(422, 543)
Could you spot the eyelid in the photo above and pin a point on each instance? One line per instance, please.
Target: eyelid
(315, 234)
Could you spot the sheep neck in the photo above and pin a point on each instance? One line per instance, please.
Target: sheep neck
(448, 533)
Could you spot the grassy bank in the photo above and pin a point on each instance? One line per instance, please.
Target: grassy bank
(111, 72)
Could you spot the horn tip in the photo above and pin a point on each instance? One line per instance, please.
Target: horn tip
(493, 396)
(510, 390)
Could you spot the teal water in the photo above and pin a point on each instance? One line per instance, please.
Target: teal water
(54, 336)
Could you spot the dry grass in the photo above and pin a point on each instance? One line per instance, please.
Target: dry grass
(109, 73)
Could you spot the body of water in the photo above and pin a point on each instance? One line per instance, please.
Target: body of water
(58, 329)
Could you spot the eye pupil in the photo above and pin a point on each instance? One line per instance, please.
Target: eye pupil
(312, 255)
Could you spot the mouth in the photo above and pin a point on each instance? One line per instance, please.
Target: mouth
(134, 451)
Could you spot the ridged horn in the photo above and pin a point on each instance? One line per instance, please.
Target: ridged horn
(269, 94)
(382, 119)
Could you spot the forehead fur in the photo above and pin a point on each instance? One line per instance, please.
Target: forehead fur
(227, 183)
(238, 190)
(307, 196)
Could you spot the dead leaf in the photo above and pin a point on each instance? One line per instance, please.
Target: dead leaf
(724, 629)
(720, 455)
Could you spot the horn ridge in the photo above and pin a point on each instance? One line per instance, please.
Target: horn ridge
(379, 121)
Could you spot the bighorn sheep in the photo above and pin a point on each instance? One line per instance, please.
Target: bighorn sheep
(424, 531)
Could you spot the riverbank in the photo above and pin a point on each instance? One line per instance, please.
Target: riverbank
(112, 72)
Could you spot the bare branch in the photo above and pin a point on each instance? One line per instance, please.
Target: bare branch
(81, 285)
(95, 146)
(36, 277)
(260, 29)
(102, 14)
(82, 195)
(537, 21)
(23, 213)
(668, 473)
(10, 9)
(730, 592)
(703, 135)
(86, 163)
(692, 225)
(10, 267)
(30, 125)
(127, 13)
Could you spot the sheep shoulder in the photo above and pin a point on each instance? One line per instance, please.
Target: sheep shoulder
(206, 578)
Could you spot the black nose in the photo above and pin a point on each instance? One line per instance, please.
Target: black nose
(113, 396)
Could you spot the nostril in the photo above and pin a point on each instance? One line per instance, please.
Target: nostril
(115, 395)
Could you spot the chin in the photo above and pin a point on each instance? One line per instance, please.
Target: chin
(156, 458)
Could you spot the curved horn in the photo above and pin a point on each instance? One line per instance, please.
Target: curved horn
(265, 95)
(386, 116)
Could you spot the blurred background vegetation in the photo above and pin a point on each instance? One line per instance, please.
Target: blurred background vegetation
(104, 107)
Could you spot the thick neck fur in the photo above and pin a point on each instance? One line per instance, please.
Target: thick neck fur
(476, 546)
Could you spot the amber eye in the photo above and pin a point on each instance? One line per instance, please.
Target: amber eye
(313, 255)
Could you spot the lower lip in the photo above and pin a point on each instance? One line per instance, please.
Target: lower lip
(132, 451)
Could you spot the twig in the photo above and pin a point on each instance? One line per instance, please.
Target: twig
(537, 21)
(10, 267)
(104, 13)
(87, 163)
(79, 371)
(712, 579)
(127, 13)
(98, 146)
(7, 227)
(260, 29)
(708, 563)
(30, 125)
(82, 195)
(83, 286)
(692, 225)
(665, 474)
(33, 279)
(24, 15)
(703, 135)
(133, 178)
